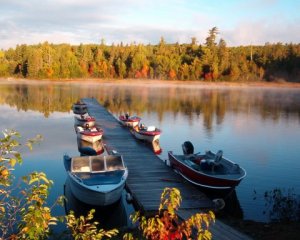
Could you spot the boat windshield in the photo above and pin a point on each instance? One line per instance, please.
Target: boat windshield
(114, 163)
(81, 164)
(97, 164)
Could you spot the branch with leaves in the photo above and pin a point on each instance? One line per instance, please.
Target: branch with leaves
(167, 225)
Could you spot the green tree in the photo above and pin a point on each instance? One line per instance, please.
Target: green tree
(120, 68)
(4, 67)
(210, 57)
(211, 39)
(35, 63)
(223, 55)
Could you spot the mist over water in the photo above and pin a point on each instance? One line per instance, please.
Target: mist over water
(258, 128)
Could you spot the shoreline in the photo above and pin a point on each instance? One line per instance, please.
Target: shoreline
(157, 83)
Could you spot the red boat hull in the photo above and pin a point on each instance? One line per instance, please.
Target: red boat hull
(129, 122)
(199, 178)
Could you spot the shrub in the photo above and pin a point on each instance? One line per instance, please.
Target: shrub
(167, 225)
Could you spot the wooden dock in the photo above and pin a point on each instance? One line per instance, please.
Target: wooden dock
(149, 175)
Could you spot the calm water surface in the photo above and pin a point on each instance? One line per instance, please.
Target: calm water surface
(259, 128)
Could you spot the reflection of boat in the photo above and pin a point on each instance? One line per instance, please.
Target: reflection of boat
(96, 180)
(129, 121)
(84, 120)
(79, 108)
(149, 134)
(208, 170)
(92, 134)
(112, 216)
(233, 206)
(156, 147)
(90, 148)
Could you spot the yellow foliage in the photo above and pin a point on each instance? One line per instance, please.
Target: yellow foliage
(167, 225)
(4, 173)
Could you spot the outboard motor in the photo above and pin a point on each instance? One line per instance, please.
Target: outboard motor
(187, 148)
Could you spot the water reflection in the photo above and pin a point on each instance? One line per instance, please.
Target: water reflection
(232, 205)
(156, 147)
(113, 216)
(209, 103)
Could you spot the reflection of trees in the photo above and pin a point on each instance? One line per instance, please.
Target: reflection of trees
(211, 104)
(282, 205)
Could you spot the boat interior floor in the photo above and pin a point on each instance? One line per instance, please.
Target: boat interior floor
(208, 166)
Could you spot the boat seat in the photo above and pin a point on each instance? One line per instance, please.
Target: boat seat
(151, 128)
(218, 157)
(217, 161)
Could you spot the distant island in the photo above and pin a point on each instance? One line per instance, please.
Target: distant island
(211, 62)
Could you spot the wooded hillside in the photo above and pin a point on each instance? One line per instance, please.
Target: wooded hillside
(212, 61)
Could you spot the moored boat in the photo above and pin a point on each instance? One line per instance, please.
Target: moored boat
(96, 180)
(79, 107)
(129, 121)
(90, 134)
(90, 148)
(84, 120)
(149, 134)
(210, 170)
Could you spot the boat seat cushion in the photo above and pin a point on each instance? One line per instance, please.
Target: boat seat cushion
(218, 156)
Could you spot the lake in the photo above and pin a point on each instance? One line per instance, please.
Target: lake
(256, 127)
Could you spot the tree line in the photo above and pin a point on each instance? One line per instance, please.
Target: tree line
(212, 61)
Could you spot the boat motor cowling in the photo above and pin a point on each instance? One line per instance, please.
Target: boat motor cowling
(187, 148)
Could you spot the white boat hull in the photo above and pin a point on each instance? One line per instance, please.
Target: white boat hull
(91, 139)
(146, 137)
(84, 121)
(97, 195)
(129, 124)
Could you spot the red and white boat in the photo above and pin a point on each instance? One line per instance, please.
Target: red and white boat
(129, 121)
(92, 134)
(84, 120)
(149, 134)
(90, 148)
(210, 170)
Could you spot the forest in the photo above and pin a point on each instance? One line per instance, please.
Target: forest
(211, 61)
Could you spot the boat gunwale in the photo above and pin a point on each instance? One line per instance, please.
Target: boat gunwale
(148, 133)
(130, 119)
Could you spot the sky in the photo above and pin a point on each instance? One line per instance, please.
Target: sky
(248, 22)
